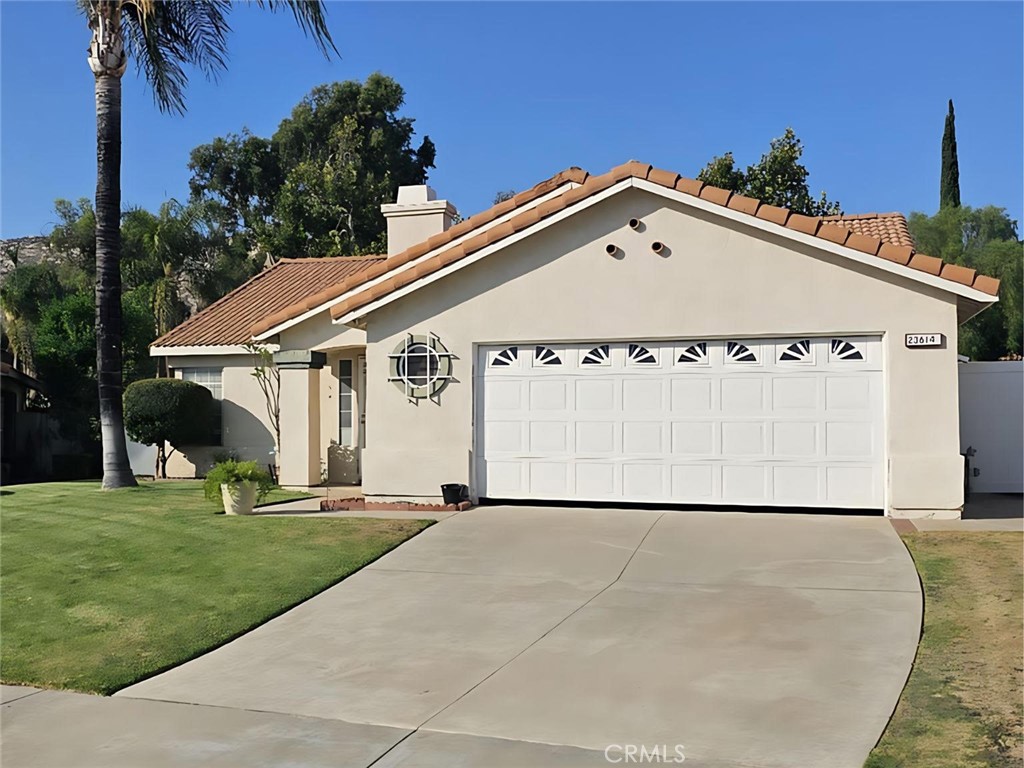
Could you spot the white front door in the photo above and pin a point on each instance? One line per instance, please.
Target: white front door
(784, 422)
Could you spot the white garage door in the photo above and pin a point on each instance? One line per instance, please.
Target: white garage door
(788, 422)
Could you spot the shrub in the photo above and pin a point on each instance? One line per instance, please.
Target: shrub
(232, 472)
(161, 411)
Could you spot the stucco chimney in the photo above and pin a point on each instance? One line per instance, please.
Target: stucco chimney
(417, 215)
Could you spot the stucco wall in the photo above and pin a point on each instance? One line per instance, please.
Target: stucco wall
(246, 429)
(717, 279)
(319, 333)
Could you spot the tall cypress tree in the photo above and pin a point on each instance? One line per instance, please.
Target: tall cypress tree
(949, 193)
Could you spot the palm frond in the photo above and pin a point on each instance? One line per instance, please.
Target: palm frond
(166, 36)
(311, 18)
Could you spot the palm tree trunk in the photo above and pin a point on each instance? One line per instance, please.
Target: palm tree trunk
(117, 471)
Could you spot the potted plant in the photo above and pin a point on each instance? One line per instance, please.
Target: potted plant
(238, 485)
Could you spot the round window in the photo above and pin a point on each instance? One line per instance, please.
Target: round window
(418, 365)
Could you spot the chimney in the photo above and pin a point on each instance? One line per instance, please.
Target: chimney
(417, 215)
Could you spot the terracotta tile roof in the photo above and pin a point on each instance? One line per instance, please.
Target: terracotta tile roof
(329, 292)
(887, 227)
(861, 233)
(228, 320)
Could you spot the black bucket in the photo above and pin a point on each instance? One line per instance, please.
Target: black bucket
(453, 493)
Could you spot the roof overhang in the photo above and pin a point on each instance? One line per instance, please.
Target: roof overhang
(454, 243)
(222, 349)
(970, 300)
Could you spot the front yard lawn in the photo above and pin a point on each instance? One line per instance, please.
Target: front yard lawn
(962, 706)
(99, 589)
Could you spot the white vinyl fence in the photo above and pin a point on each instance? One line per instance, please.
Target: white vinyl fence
(992, 425)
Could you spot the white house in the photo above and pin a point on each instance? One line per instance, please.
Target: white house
(634, 337)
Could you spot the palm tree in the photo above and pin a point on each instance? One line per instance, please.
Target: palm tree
(164, 37)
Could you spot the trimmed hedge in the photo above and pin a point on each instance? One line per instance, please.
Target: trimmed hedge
(160, 411)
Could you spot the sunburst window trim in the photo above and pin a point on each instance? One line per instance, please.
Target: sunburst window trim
(738, 353)
(695, 354)
(544, 356)
(507, 357)
(799, 352)
(597, 356)
(845, 351)
(638, 354)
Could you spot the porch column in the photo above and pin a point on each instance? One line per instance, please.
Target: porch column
(299, 458)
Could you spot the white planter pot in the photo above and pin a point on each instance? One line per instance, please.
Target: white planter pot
(239, 498)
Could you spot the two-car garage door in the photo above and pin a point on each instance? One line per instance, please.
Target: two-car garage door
(789, 422)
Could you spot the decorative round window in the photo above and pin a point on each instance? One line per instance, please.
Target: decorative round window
(421, 366)
(418, 365)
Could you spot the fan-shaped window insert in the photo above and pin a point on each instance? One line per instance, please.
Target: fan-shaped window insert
(641, 355)
(507, 356)
(695, 354)
(597, 356)
(546, 356)
(797, 352)
(845, 350)
(739, 353)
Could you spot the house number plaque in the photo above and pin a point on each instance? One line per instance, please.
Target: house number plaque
(925, 339)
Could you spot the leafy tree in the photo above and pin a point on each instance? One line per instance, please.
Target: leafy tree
(502, 195)
(27, 289)
(778, 178)
(162, 411)
(949, 191)
(163, 38)
(66, 357)
(315, 187)
(984, 239)
(74, 236)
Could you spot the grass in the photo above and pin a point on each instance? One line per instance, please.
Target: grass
(962, 706)
(99, 589)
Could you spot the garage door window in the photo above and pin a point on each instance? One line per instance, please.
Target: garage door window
(695, 354)
(641, 355)
(597, 356)
(507, 356)
(798, 352)
(842, 349)
(739, 353)
(546, 356)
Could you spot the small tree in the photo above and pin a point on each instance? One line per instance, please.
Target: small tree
(268, 376)
(161, 411)
(778, 178)
(949, 182)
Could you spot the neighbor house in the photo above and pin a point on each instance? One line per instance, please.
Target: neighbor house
(634, 337)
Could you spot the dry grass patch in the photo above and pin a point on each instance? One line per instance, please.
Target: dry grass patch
(963, 705)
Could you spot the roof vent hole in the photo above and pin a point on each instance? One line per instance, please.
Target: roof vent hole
(636, 224)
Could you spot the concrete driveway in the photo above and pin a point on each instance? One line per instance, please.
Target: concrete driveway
(517, 636)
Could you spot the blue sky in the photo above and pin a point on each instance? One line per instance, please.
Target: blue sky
(513, 92)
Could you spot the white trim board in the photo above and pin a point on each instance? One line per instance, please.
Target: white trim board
(219, 349)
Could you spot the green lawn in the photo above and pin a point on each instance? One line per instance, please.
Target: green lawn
(962, 706)
(99, 589)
